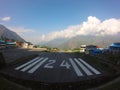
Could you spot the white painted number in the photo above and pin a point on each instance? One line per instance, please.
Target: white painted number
(65, 64)
(49, 64)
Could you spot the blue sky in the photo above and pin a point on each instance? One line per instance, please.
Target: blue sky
(36, 18)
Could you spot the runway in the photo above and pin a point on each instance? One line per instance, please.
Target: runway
(54, 68)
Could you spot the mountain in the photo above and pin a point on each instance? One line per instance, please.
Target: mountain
(53, 43)
(103, 41)
(6, 33)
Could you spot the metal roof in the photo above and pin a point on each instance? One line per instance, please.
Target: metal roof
(2, 41)
(115, 45)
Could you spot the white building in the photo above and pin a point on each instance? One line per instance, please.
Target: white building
(25, 45)
(82, 48)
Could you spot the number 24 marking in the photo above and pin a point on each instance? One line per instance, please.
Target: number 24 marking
(63, 64)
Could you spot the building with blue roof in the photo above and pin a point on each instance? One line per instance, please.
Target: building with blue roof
(93, 50)
(2, 44)
(10, 44)
(114, 48)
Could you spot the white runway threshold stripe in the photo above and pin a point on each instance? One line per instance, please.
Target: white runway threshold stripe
(23, 65)
(90, 67)
(83, 67)
(78, 72)
(31, 65)
(37, 66)
(79, 66)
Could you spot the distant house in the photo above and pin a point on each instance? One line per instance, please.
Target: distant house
(89, 48)
(105, 50)
(31, 46)
(82, 48)
(19, 44)
(10, 44)
(114, 48)
(27, 45)
(93, 50)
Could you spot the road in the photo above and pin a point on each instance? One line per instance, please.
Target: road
(54, 67)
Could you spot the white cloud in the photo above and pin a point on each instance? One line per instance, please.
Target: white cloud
(93, 26)
(6, 19)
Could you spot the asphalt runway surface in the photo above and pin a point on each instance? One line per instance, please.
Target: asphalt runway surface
(12, 54)
(54, 67)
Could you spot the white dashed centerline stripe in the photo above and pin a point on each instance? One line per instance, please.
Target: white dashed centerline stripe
(37, 66)
(31, 65)
(83, 67)
(23, 65)
(90, 67)
(78, 72)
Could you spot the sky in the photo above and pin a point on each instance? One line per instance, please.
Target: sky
(44, 20)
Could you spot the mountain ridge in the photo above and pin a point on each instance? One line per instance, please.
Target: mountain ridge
(75, 42)
(7, 33)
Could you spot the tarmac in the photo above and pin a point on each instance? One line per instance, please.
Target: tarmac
(12, 54)
(50, 67)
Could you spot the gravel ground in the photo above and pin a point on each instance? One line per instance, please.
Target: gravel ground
(12, 54)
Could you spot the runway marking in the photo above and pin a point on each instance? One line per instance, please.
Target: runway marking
(50, 64)
(65, 64)
(78, 72)
(80, 67)
(31, 65)
(90, 67)
(37, 66)
(23, 65)
(83, 67)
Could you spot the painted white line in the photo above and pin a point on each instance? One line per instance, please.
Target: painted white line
(37, 66)
(23, 65)
(83, 67)
(90, 67)
(78, 72)
(49, 64)
(31, 65)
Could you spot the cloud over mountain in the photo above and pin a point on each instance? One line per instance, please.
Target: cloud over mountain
(6, 19)
(93, 26)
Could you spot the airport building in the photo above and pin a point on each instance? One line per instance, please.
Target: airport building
(114, 48)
